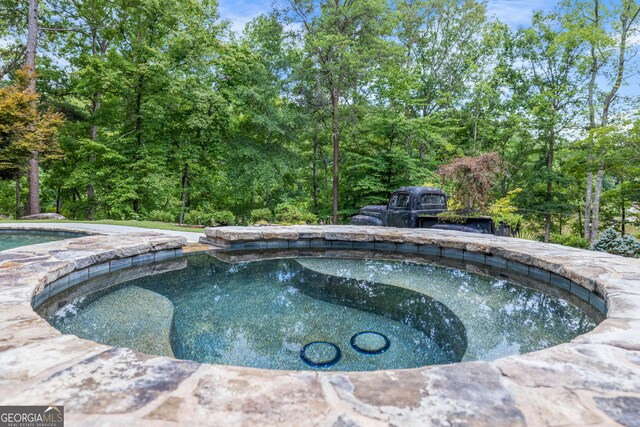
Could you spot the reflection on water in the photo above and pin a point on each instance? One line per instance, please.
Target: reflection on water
(402, 305)
(263, 313)
(500, 318)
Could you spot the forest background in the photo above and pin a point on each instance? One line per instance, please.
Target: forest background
(160, 110)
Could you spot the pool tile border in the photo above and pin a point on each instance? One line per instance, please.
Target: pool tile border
(377, 243)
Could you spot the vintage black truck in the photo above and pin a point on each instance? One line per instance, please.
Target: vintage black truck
(418, 207)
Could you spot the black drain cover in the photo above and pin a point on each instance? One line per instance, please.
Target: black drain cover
(370, 342)
(320, 354)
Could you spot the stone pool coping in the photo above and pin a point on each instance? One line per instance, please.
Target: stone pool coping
(49, 229)
(97, 228)
(595, 379)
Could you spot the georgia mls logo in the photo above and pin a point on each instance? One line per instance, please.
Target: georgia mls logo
(53, 408)
(32, 416)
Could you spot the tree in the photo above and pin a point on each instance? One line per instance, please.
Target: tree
(473, 178)
(33, 204)
(23, 129)
(552, 57)
(442, 41)
(344, 40)
(607, 33)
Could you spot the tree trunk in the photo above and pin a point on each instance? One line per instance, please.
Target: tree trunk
(476, 116)
(580, 223)
(92, 158)
(18, 210)
(32, 42)
(34, 190)
(335, 103)
(315, 172)
(58, 200)
(547, 216)
(139, 110)
(97, 49)
(625, 21)
(587, 207)
(623, 210)
(185, 183)
(595, 66)
(30, 64)
(596, 206)
(90, 196)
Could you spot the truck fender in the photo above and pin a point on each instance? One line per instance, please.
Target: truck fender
(366, 220)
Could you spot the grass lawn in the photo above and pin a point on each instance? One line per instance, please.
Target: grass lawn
(142, 224)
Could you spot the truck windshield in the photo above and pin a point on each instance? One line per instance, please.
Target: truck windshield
(432, 201)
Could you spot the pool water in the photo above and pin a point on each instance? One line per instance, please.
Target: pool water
(10, 239)
(318, 313)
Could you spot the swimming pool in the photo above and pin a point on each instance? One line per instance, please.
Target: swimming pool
(14, 238)
(318, 313)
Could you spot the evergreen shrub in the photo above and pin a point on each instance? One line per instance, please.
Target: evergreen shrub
(570, 240)
(612, 242)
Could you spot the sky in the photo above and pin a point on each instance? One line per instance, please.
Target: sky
(512, 12)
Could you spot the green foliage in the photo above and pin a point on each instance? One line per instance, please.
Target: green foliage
(24, 129)
(570, 240)
(612, 242)
(289, 214)
(262, 215)
(161, 216)
(504, 210)
(209, 218)
(452, 217)
(510, 220)
(529, 234)
(196, 217)
(219, 218)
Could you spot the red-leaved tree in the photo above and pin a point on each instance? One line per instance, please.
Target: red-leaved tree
(473, 178)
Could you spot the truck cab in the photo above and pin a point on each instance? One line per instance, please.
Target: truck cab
(405, 207)
(418, 207)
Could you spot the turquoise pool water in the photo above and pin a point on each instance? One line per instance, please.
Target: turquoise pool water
(318, 313)
(10, 239)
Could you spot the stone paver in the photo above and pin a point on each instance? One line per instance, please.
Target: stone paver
(593, 380)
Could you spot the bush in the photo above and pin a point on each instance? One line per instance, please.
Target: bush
(263, 215)
(504, 211)
(288, 214)
(218, 218)
(195, 217)
(612, 242)
(451, 217)
(529, 234)
(161, 216)
(570, 240)
(212, 219)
